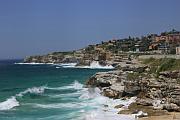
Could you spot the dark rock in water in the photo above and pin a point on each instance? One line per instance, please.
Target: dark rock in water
(135, 112)
(118, 106)
(105, 105)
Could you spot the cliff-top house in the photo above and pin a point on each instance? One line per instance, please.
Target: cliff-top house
(166, 42)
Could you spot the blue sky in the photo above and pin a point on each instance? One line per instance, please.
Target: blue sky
(32, 27)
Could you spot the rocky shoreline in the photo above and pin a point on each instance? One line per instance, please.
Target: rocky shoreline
(156, 96)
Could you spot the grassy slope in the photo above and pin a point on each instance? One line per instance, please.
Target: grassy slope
(159, 65)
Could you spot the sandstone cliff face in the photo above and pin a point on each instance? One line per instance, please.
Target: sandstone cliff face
(161, 93)
(44, 59)
(82, 57)
(51, 58)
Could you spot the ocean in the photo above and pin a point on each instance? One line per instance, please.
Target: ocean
(43, 92)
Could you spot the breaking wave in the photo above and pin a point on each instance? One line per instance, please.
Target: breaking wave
(34, 90)
(9, 104)
(89, 104)
(103, 108)
(75, 85)
(60, 105)
(13, 102)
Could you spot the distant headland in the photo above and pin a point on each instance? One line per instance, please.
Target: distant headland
(108, 52)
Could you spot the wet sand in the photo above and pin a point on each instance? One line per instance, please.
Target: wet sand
(172, 116)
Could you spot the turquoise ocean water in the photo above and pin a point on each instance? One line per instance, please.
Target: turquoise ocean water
(42, 92)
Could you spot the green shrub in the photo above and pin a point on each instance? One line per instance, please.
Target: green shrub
(167, 64)
(147, 61)
(133, 76)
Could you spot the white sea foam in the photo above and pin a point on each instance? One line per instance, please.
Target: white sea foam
(60, 105)
(9, 104)
(92, 105)
(33, 90)
(103, 106)
(90, 93)
(106, 115)
(75, 85)
(140, 113)
(12, 101)
(66, 65)
(34, 63)
(75, 94)
(89, 103)
(96, 65)
(93, 65)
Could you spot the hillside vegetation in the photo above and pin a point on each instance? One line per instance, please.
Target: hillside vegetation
(164, 64)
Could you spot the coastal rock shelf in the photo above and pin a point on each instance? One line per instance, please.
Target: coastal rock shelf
(115, 84)
(153, 93)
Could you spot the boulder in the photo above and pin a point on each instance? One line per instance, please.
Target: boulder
(131, 88)
(171, 107)
(119, 106)
(112, 93)
(144, 102)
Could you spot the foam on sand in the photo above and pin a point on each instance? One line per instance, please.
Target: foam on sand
(102, 115)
